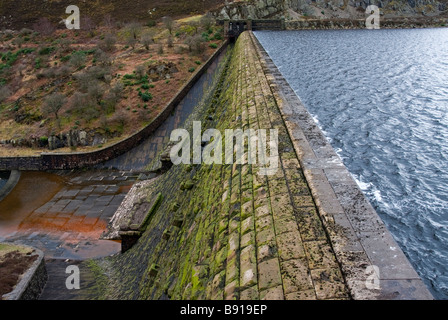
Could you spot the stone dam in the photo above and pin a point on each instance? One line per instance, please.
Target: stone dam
(223, 231)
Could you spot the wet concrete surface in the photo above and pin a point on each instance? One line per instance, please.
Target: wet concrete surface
(64, 214)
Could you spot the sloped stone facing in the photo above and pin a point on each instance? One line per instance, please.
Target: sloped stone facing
(373, 265)
(234, 234)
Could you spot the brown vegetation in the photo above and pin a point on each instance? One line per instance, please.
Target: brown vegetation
(12, 266)
(103, 81)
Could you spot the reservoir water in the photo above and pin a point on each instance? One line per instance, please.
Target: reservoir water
(381, 98)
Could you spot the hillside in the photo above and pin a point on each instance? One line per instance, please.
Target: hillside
(76, 89)
(21, 14)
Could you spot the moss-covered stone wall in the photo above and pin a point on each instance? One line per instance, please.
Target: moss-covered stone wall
(231, 233)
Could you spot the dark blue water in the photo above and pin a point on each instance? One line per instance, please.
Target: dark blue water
(4, 175)
(381, 98)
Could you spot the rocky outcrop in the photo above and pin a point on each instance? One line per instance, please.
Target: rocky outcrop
(297, 9)
(162, 71)
(72, 138)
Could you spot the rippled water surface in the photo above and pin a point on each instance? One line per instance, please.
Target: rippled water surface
(381, 98)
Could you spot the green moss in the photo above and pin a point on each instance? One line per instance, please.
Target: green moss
(101, 287)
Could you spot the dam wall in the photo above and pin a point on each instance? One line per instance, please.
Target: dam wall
(358, 235)
(227, 231)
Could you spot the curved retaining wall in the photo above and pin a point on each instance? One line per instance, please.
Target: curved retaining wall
(33, 281)
(65, 161)
(10, 184)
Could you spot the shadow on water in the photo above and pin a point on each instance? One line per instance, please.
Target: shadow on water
(4, 175)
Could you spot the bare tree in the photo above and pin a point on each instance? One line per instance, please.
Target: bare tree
(53, 103)
(207, 21)
(108, 44)
(140, 71)
(78, 101)
(19, 41)
(147, 39)
(131, 41)
(117, 90)
(20, 68)
(195, 25)
(44, 27)
(108, 21)
(77, 59)
(87, 24)
(170, 42)
(95, 92)
(65, 45)
(102, 57)
(134, 29)
(4, 93)
(195, 43)
(168, 23)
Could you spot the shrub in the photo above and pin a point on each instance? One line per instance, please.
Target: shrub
(95, 91)
(25, 31)
(99, 72)
(129, 76)
(170, 42)
(108, 44)
(37, 63)
(146, 96)
(168, 22)
(43, 140)
(191, 69)
(77, 59)
(64, 71)
(65, 58)
(47, 50)
(140, 71)
(213, 45)
(78, 101)
(204, 36)
(4, 93)
(151, 23)
(207, 21)
(147, 40)
(84, 80)
(53, 103)
(195, 44)
(117, 90)
(102, 57)
(119, 118)
(131, 42)
(134, 29)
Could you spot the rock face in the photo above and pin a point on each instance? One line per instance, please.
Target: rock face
(162, 71)
(72, 138)
(75, 138)
(294, 9)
